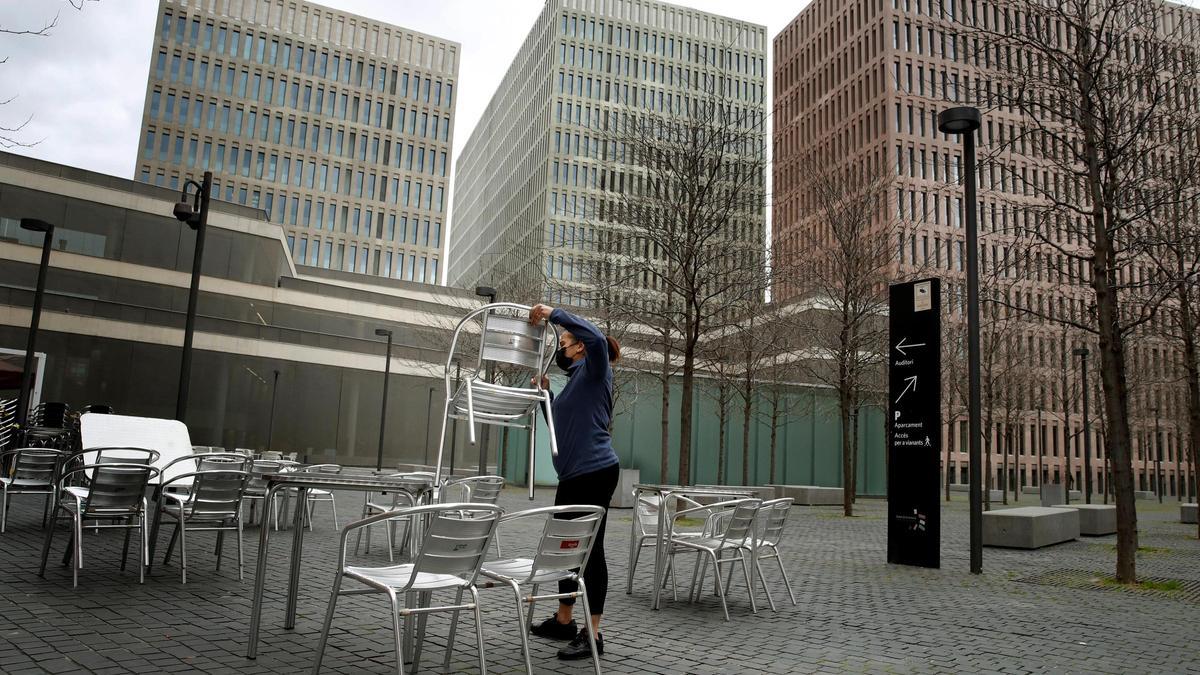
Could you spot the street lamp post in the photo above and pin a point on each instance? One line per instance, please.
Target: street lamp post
(1082, 353)
(964, 122)
(271, 418)
(47, 230)
(484, 435)
(196, 217)
(387, 372)
(1158, 486)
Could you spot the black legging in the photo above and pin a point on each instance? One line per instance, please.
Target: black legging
(593, 489)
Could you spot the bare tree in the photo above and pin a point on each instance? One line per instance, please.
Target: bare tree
(849, 259)
(1101, 87)
(683, 203)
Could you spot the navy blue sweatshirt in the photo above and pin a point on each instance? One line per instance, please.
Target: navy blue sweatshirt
(583, 409)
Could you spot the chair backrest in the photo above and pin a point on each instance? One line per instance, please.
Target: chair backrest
(567, 537)
(217, 493)
(772, 516)
(36, 466)
(52, 414)
(98, 408)
(115, 489)
(741, 524)
(272, 454)
(123, 455)
(453, 544)
(645, 513)
(224, 461)
(510, 338)
(476, 489)
(260, 466)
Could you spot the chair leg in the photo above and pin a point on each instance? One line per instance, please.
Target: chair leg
(333, 507)
(396, 630)
(423, 600)
(529, 621)
(522, 629)
(787, 584)
(241, 563)
(77, 563)
(46, 508)
(496, 541)
(587, 613)
(763, 580)
(182, 548)
(154, 536)
(125, 547)
(749, 583)
(697, 590)
(478, 631)
(143, 547)
(220, 544)
(720, 588)
(635, 551)
(4, 511)
(453, 630)
(70, 551)
(333, 596)
(171, 544)
(46, 544)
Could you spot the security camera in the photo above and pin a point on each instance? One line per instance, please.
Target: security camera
(183, 211)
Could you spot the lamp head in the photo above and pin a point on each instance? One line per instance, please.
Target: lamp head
(961, 120)
(183, 211)
(383, 332)
(1080, 351)
(36, 225)
(486, 292)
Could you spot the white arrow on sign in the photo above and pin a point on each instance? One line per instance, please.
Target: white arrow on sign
(912, 384)
(901, 346)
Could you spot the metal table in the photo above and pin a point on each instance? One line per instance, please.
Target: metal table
(665, 493)
(302, 482)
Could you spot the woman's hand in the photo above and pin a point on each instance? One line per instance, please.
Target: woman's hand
(539, 313)
(545, 382)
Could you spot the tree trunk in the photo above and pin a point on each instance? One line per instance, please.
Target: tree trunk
(722, 425)
(685, 402)
(774, 430)
(665, 420)
(747, 410)
(1004, 470)
(847, 457)
(949, 435)
(854, 452)
(1187, 324)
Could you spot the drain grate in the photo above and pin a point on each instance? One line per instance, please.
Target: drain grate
(1186, 590)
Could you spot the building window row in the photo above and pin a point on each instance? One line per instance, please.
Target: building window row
(271, 51)
(302, 96)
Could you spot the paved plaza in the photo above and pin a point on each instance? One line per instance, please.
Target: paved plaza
(1032, 611)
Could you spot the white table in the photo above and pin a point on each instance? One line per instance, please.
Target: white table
(169, 437)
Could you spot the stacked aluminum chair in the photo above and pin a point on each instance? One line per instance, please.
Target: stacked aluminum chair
(505, 338)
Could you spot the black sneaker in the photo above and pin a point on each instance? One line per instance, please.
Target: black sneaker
(551, 628)
(579, 647)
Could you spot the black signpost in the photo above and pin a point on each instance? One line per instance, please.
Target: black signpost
(914, 423)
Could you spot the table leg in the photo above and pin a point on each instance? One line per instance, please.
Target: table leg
(289, 621)
(260, 574)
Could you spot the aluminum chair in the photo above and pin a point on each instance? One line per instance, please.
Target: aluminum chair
(212, 503)
(733, 540)
(452, 550)
(476, 490)
(765, 540)
(644, 532)
(505, 338)
(318, 495)
(257, 488)
(28, 471)
(399, 499)
(8, 418)
(562, 554)
(115, 492)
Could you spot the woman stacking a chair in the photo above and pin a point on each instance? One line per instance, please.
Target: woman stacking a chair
(587, 467)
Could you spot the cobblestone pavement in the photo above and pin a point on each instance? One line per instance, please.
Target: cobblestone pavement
(854, 612)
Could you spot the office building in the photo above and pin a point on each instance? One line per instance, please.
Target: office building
(859, 84)
(536, 169)
(338, 126)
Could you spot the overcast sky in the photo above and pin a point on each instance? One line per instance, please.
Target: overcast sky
(85, 83)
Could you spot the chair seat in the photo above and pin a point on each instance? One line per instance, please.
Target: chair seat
(78, 491)
(707, 543)
(494, 401)
(396, 576)
(519, 569)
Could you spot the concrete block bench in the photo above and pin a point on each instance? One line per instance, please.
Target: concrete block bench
(1029, 527)
(996, 496)
(1095, 519)
(1187, 513)
(809, 495)
(1144, 494)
